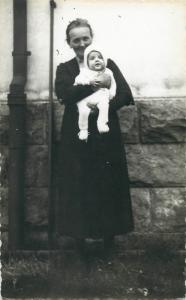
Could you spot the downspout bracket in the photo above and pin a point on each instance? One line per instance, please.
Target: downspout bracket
(25, 53)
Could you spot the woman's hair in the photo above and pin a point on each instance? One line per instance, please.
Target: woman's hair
(77, 23)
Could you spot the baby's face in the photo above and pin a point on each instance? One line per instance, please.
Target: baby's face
(95, 61)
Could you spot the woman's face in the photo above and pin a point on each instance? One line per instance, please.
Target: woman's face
(80, 38)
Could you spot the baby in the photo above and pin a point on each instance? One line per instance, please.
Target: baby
(94, 65)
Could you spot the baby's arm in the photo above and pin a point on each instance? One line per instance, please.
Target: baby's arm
(82, 78)
(85, 77)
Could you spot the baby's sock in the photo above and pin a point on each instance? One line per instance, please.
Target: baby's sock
(102, 127)
(83, 134)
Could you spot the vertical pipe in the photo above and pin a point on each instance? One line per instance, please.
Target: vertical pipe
(17, 105)
(50, 120)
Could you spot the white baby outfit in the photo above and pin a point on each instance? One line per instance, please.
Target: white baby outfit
(100, 98)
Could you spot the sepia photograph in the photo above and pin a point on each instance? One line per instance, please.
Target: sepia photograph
(92, 149)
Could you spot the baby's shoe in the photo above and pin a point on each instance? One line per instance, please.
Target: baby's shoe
(103, 128)
(83, 134)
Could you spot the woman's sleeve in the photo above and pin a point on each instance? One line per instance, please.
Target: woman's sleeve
(123, 91)
(64, 88)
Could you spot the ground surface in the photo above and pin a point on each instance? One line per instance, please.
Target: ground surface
(152, 275)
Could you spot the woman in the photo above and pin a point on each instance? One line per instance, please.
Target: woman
(94, 198)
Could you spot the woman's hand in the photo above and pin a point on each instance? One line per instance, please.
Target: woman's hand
(101, 81)
(94, 84)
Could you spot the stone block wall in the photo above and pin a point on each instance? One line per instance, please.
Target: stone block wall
(154, 133)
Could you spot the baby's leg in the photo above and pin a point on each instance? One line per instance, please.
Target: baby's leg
(97, 96)
(103, 107)
(84, 112)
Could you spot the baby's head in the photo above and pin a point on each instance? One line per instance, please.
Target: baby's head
(94, 59)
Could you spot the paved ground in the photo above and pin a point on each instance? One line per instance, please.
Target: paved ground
(119, 276)
(96, 298)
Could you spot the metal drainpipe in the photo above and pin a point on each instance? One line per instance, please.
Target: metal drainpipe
(17, 108)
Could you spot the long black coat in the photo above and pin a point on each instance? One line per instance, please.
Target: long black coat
(94, 198)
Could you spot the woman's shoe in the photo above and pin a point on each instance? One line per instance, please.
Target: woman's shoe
(83, 134)
(80, 246)
(65, 243)
(109, 245)
(102, 128)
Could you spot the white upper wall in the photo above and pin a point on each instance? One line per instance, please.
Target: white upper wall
(6, 48)
(147, 40)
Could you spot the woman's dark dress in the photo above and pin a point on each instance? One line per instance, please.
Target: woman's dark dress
(94, 199)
